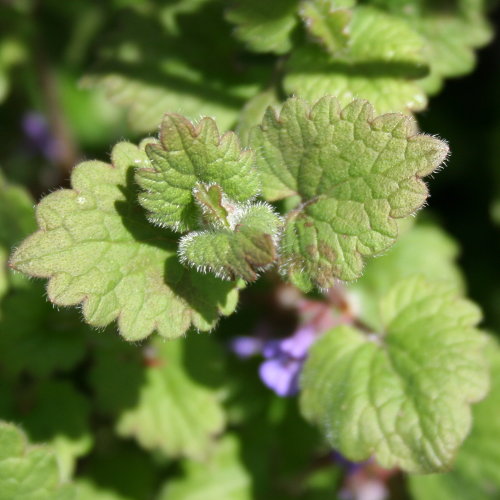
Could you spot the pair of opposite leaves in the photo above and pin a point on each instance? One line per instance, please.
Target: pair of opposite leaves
(353, 175)
(347, 175)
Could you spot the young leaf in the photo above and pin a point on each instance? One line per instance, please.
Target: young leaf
(178, 411)
(247, 246)
(28, 472)
(355, 175)
(402, 394)
(475, 473)
(98, 249)
(224, 476)
(186, 156)
(264, 26)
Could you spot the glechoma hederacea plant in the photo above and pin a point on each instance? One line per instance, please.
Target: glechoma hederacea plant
(300, 172)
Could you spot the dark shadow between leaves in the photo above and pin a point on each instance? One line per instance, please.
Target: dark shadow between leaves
(135, 221)
(204, 359)
(372, 69)
(117, 373)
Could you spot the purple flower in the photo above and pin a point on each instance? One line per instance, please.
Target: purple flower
(38, 134)
(299, 343)
(281, 375)
(246, 347)
(285, 358)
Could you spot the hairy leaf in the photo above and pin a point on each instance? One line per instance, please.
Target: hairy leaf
(264, 26)
(28, 472)
(355, 175)
(185, 156)
(475, 473)
(223, 476)
(178, 411)
(402, 394)
(98, 249)
(247, 246)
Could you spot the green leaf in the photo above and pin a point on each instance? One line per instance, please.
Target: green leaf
(383, 39)
(253, 112)
(97, 248)
(475, 473)
(451, 30)
(186, 156)
(424, 249)
(381, 63)
(223, 476)
(328, 21)
(86, 490)
(264, 26)
(245, 248)
(391, 394)
(16, 222)
(28, 472)
(152, 64)
(310, 76)
(355, 175)
(178, 410)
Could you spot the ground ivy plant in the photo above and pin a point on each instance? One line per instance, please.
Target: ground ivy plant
(141, 240)
(164, 236)
(243, 298)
